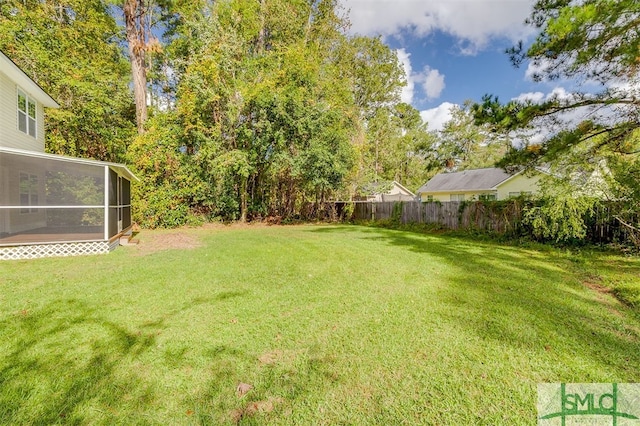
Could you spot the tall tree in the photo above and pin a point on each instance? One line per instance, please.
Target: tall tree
(142, 19)
(375, 72)
(137, 31)
(277, 109)
(397, 142)
(462, 144)
(375, 78)
(263, 113)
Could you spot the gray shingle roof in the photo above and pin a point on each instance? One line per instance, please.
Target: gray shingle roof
(467, 180)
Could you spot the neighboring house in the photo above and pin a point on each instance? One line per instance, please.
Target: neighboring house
(478, 184)
(52, 205)
(386, 191)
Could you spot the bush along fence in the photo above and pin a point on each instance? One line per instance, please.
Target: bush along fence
(601, 225)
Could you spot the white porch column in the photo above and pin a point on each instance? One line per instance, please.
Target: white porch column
(106, 203)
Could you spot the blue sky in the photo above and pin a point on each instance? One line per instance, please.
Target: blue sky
(452, 50)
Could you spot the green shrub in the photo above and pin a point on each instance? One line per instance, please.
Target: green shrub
(560, 218)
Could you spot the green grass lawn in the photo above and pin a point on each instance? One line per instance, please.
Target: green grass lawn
(328, 324)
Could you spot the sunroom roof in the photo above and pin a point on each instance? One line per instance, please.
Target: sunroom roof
(121, 169)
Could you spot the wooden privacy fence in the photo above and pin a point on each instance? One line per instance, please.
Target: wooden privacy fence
(602, 225)
(452, 215)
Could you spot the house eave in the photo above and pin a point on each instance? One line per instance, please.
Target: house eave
(404, 188)
(448, 191)
(509, 178)
(32, 88)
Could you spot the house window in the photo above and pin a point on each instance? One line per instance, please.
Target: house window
(456, 197)
(26, 114)
(28, 193)
(429, 198)
(487, 197)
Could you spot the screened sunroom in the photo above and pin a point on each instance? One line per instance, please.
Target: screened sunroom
(52, 205)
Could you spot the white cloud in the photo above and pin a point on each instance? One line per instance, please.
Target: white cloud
(534, 97)
(625, 85)
(431, 80)
(561, 94)
(407, 91)
(558, 93)
(536, 70)
(473, 22)
(438, 116)
(433, 83)
(538, 138)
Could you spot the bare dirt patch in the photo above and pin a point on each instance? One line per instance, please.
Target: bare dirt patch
(605, 296)
(278, 356)
(236, 225)
(597, 287)
(255, 407)
(152, 241)
(178, 240)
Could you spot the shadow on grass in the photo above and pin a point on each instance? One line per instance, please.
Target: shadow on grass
(61, 364)
(526, 300)
(61, 361)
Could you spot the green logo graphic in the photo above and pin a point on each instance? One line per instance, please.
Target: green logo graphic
(614, 404)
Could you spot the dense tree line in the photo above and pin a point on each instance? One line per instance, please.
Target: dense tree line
(243, 109)
(267, 107)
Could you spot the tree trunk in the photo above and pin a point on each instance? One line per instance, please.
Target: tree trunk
(136, 38)
(243, 199)
(261, 34)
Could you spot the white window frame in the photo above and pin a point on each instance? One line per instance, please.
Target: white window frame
(456, 197)
(31, 192)
(31, 122)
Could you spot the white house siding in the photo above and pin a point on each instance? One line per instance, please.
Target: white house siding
(397, 190)
(520, 183)
(10, 136)
(396, 193)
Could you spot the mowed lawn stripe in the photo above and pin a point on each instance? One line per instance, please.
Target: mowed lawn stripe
(328, 324)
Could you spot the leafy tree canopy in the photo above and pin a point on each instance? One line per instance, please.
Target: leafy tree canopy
(593, 45)
(71, 49)
(270, 100)
(585, 43)
(463, 144)
(269, 106)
